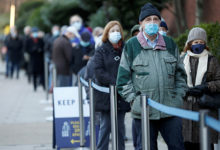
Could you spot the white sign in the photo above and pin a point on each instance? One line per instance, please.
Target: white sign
(66, 102)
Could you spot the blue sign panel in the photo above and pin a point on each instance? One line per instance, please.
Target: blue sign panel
(68, 132)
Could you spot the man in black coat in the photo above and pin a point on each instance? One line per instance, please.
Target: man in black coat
(35, 47)
(14, 46)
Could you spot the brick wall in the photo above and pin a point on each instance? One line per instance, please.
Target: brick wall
(211, 13)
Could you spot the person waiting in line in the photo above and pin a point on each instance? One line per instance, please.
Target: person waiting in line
(135, 30)
(77, 22)
(26, 37)
(106, 61)
(203, 76)
(55, 30)
(163, 28)
(150, 65)
(35, 47)
(14, 46)
(82, 52)
(97, 34)
(62, 57)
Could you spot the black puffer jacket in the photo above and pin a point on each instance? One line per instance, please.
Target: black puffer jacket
(106, 63)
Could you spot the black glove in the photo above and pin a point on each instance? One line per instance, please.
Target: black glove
(194, 92)
(202, 87)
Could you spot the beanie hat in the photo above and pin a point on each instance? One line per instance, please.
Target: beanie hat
(135, 28)
(148, 10)
(163, 24)
(86, 36)
(197, 34)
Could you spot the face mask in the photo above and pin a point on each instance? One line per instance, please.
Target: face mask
(151, 28)
(98, 39)
(114, 37)
(163, 33)
(77, 25)
(56, 33)
(198, 48)
(13, 34)
(35, 35)
(84, 44)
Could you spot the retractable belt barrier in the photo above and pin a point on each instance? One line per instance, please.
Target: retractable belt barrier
(201, 116)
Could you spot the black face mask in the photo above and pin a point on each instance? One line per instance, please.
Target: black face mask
(198, 48)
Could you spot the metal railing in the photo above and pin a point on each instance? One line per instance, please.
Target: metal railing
(205, 121)
(202, 117)
(113, 99)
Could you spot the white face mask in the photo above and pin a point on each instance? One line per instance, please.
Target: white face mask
(77, 25)
(114, 37)
(163, 33)
(97, 39)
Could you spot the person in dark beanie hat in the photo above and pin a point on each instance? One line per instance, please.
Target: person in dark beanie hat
(148, 10)
(135, 30)
(163, 28)
(150, 65)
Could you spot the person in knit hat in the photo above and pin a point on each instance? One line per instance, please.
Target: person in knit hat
(150, 65)
(135, 30)
(163, 28)
(203, 76)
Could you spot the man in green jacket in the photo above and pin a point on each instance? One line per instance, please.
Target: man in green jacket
(150, 64)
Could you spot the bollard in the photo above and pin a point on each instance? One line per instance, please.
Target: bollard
(92, 118)
(46, 74)
(114, 127)
(204, 133)
(54, 76)
(145, 125)
(81, 119)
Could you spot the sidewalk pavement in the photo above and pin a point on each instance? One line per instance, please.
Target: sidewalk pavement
(23, 124)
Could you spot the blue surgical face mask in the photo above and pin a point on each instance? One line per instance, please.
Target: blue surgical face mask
(151, 28)
(114, 37)
(56, 33)
(163, 33)
(198, 48)
(84, 44)
(35, 35)
(77, 25)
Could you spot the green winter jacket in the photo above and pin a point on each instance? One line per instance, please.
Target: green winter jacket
(157, 72)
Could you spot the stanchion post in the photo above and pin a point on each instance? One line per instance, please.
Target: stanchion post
(46, 74)
(114, 127)
(204, 133)
(92, 118)
(54, 85)
(145, 124)
(54, 76)
(81, 119)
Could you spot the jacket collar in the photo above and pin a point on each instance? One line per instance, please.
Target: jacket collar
(161, 45)
(109, 46)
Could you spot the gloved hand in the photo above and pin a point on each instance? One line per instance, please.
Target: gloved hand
(196, 92)
(202, 87)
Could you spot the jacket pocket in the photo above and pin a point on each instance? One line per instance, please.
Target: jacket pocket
(170, 63)
(170, 66)
(140, 68)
